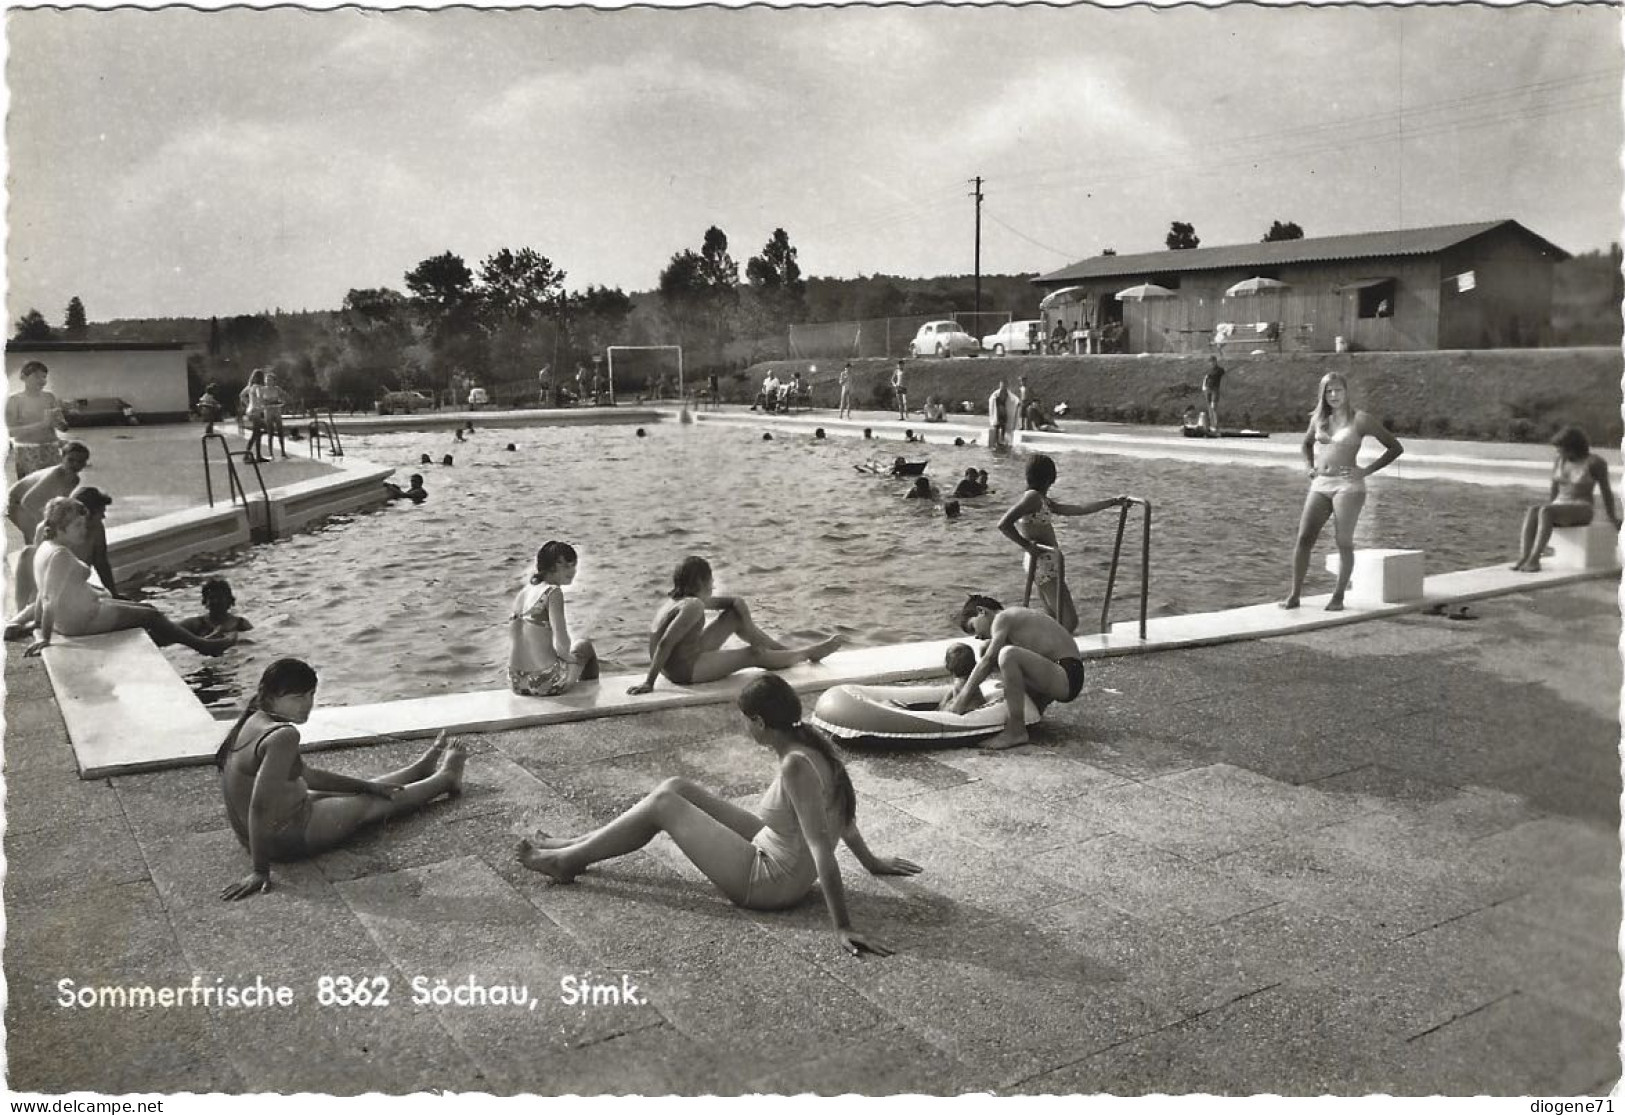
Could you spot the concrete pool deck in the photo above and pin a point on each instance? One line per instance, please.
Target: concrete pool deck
(1376, 858)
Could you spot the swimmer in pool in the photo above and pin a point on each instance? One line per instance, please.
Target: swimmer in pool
(68, 603)
(689, 651)
(1030, 525)
(217, 619)
(763, 860)
(922, 489)
(416, 492)
(1030, 652)
(542, 660)
(1577, 475)
(1336, 481)
(282, 810)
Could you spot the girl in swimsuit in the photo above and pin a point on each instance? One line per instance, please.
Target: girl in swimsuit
(766, 860)
(69, 603)
(1336, 481)
(1030, 524)
(543, 662)
(846, 393)
(689, 651)
(281, 809)
(1577, 474)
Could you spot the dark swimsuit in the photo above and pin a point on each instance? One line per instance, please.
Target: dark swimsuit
(1074, 677)
(286, 840)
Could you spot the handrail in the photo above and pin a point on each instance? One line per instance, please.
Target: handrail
(236, 485)
(331, 432)
(1145, 563)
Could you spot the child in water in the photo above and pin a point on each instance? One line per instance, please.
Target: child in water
(217, 619)
(417, 493)
(543, 662)
(960, 661)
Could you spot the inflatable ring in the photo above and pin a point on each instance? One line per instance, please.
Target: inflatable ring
(908, 712)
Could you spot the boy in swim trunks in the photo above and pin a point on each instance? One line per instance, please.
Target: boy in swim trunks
(1032, 653)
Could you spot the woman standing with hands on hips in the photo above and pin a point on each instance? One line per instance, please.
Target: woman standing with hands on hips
(1336, 481)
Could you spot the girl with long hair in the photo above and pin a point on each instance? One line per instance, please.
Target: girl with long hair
(1336, 481)
(543, 661)
(282, 810)
(1578, 475)
(766, 860)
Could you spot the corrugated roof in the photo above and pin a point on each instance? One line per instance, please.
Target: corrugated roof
(1363, 245)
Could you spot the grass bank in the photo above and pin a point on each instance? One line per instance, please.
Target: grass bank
(1489, 395)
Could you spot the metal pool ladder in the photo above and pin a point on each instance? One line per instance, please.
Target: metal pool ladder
(263, 534)
(1145, 563)
(323, 427)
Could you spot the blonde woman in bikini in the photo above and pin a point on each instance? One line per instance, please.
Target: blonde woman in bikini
(1577, 475)
(689, 651)
(542, 661)
(1336, 481)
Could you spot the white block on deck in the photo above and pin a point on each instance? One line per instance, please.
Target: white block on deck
(1382, 576)
(1589, 547)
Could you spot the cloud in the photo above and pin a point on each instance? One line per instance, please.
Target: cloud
(623, 91)
(380, 42)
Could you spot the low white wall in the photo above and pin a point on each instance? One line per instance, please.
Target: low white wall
(152, 381)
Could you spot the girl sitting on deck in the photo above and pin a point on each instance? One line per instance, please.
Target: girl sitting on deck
(688, 651)
(283, 810)
(767, 860)
(68, 603)
(542, 661)
(1577, 474)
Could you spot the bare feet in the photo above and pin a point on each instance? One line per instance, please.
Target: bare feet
(429, 761)
(1335, 604)
(552, 843)
(1011, 737)
(1532, 566)
(451, 763)
(819, 651)
(545, 861)
(1289, 603)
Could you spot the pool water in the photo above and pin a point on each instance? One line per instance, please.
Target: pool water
(407, 601)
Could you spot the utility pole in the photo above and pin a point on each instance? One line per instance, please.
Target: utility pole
(978, 196)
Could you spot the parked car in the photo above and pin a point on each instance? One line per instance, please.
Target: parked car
(406, 402)
(101, 410)
(477, 398)
(1013, 336)
(942, 338)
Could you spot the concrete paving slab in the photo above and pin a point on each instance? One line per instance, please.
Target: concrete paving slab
(892, 1061)
(900, 774)
(36, 739)
(460, 923)
(1149, 883)
(1177, 823)
(1559, 1053)
(1546, 848)
(162, 803)
(1006, 824)
(65, 857)
(44, 799)
(1251, 795)
(1035, 775)
(653, 1061)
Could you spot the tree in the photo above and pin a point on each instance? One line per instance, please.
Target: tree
(700, 291)
(1108, 251)
(73, 323)
(775, 276)
(32, 326)
(518, 286)
(448, 307)
(1182, 236)
(1278, 231)
(594, 319)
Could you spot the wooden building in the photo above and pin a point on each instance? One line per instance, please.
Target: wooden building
(1484, 285)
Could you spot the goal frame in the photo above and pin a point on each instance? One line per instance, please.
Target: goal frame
(609, 355)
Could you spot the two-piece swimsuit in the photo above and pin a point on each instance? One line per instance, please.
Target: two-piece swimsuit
(783, 870)
(1575, 483)
(1049, 566)
(540, 683)
(1338, 478)
(286, 840)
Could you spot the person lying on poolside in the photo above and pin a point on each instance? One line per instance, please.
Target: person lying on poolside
(766, 860)
(282, 810)
(689, 651)
(1032, 654)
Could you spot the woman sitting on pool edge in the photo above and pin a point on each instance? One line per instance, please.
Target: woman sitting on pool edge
(688, 651)
(768, 860)
(542, 661)
(69, 604)
(282, 810)
(1577, 474)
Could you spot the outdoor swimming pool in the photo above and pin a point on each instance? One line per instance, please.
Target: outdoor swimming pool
(411, 601)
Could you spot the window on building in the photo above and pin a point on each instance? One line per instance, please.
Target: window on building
(1377, 300)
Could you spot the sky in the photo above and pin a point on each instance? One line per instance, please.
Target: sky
(185, 163)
